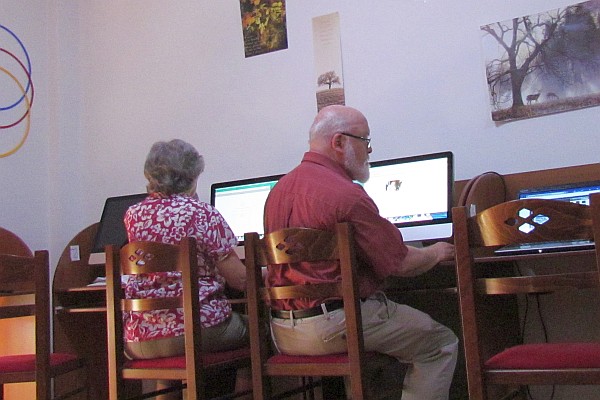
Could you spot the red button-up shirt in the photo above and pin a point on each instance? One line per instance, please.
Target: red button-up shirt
(318, 194)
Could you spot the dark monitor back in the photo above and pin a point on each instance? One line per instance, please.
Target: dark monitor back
(111, 229)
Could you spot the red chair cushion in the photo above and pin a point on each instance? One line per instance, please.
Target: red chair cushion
(328, 358)
(179, 361)
(26, 362)
(547, 356)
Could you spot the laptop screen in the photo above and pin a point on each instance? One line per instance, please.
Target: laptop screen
(574, 192)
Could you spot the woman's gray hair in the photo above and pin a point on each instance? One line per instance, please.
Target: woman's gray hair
(172, 167)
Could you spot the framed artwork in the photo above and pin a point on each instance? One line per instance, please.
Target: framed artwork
(543, 63)
(264, 26)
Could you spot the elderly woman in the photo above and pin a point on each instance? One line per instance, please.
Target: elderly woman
(171, 211)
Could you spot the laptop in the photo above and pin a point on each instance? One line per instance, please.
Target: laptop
(546, 247)
(111, 229)
(575, 193)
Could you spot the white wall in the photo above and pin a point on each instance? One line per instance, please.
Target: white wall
(24, 176)
(115, 76)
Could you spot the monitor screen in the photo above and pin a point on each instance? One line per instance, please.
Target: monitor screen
(415, 194)
(242, 203)
(111, 229)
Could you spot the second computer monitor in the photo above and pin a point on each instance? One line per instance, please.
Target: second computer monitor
(415, 194)
(242, 203)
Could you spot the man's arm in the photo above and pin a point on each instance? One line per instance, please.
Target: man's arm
(419, 260)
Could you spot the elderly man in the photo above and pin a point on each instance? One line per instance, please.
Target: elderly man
(321, 192)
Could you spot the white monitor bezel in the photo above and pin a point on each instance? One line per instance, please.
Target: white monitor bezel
(240, 183)
(424, 230)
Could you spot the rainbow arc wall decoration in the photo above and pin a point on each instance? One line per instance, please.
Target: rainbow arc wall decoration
(16, 92)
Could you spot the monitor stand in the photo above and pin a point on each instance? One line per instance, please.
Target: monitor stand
(426, 233)
(414, 243)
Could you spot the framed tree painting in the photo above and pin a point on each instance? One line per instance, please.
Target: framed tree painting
(543, 63)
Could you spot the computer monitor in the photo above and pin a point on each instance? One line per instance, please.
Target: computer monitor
(415, 194)
(242, 203)
(111, 229)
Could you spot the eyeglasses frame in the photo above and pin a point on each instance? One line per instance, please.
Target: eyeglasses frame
(367, 140)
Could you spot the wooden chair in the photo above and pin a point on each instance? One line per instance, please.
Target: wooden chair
(309, 245)
(25, 291)
(488, 364)
(193, 368)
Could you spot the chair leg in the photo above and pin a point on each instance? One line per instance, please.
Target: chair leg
(307, 383)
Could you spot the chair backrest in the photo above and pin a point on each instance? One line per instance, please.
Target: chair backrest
(483, 191)
(529, 221)
(293, 245)
(25, 291)
(151, 257)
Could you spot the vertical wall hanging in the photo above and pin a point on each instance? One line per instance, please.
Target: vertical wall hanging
(327, 49)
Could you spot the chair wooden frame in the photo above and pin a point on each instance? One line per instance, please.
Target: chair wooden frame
(475, 238)
(290, 246)
(25, 291)
(193, 367)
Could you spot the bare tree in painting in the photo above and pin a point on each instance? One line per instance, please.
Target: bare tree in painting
(328, 78)
(543, 56)
(522, 42)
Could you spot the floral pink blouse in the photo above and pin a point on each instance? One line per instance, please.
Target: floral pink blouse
(168, 220)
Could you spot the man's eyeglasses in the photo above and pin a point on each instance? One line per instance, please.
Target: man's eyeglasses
(367, 140)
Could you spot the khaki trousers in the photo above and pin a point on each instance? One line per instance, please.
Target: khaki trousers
(409, 335)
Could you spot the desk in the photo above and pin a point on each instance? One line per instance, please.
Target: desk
(80, 324)
(80, 311)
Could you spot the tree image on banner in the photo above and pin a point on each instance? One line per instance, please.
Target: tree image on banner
(16, 93)
(328, 78)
